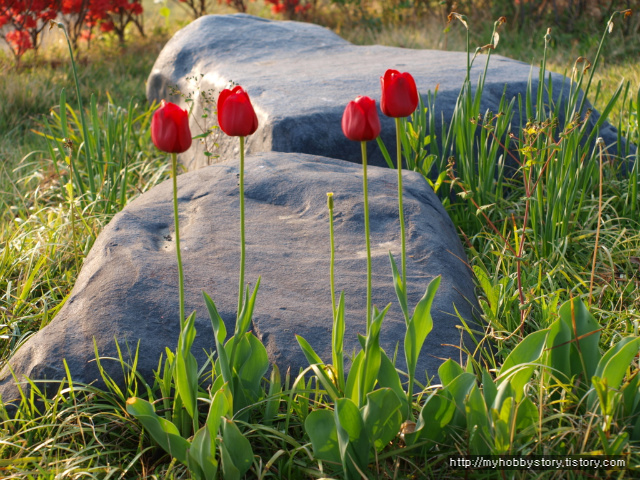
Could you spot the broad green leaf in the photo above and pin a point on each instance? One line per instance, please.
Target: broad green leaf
(382, 416)
(527, 416)
(616, 361)
(489, 388)
(273, 400)
(478, 422)
(229, 469)
(517, 369)
(388, 378)
(237, 446)
(219, 335)
(349, 418)
(630, 394)
(437, 412)
(314, 359)
(352, 439)
(186, 367)
(238, 351)
(201, 453)
(559, 351)
(337, 342)
(585, 333)
(320, 425)
(160, 429)
(310, 354)
(372, 357)
(612, 368)
(352, 390)
(247, 311)
(419, 326)
(526, 352)
(448, 371)
(459, 389)
(399, 287)
(217, 410)
(254, 367)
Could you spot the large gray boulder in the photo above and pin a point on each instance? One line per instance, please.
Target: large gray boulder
(128, 285)
(301, 76)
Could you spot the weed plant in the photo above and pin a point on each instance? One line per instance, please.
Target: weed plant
(555, 249)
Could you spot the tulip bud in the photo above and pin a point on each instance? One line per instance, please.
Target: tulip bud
(360, 121)
(170, 128)
(236, 115)
(399, 94)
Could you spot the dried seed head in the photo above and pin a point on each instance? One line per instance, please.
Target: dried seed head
(457, 16)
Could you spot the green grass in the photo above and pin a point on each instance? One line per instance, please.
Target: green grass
(526, 269)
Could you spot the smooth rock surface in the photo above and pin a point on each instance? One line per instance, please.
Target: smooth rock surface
(128, 285)
(301, 76)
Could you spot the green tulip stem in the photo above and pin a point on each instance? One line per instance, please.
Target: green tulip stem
(333, 254)
(366, 228)
(401, 210)
(241, 286)
(174, 175)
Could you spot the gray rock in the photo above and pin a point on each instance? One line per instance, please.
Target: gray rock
(128, 286)
(301, 76)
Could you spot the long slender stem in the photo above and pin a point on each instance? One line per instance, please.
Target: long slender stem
(400, 208)
(85, 131)
(595, 248)
(366, 229)
(241, 283)
(333, 254)
(174, 175)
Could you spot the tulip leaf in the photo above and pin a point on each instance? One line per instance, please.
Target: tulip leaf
(388, 378)
(382, 416)
(372, 357)
(448, 371)
(337, 342)
(164, 432)
(459, 389)
(585, 334)
(255, 366)
(200, 454)
(519, 365)
(318, 367)
(320, 425)
(186, 367)
(437, 412)
(238, 448)
(353, 379)
(400, 289)
(419, 326)
(219, 335)
(273, 399)
(352, 439)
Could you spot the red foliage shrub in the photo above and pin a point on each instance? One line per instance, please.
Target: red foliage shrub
(24, 20)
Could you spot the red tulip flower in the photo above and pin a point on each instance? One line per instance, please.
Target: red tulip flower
(170, 128)
(399, 94)
(360, 121)
(236, 115)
